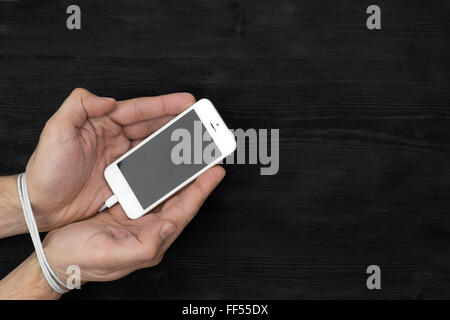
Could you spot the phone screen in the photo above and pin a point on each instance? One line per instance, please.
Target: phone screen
(169, 159)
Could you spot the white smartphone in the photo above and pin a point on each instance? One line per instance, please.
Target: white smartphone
(169, 159)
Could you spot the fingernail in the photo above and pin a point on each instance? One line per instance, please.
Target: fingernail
(108, 99)
(166, 231)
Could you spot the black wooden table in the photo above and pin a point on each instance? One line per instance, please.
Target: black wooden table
(364, 123)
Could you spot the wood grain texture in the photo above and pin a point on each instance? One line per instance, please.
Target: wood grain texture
(364, 125)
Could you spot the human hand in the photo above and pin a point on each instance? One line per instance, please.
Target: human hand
(109, 246)
(65, 173)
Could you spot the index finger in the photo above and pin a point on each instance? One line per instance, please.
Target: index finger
(141, 109)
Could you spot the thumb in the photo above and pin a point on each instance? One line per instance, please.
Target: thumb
(153, 236)
(81, 105)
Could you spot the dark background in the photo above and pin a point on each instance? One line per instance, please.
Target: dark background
(364, 125)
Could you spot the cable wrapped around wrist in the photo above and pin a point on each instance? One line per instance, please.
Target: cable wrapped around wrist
(51, 277)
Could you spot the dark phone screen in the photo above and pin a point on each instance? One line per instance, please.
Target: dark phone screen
(169, 159)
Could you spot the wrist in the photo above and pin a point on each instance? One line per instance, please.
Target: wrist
(61, 262)
(12, 221)
(27, 282)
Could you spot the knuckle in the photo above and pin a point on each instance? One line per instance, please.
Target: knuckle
(53, 126)
(78, 92)
(137, 110)
(49, 123)
(50, 126)
(158, 260)
(190, 96)
(151, 253)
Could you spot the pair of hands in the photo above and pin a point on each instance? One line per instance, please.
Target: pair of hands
(66, 185)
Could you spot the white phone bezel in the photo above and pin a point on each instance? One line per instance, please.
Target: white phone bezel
(221, 136)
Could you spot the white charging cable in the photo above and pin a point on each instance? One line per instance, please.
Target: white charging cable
(51, 277)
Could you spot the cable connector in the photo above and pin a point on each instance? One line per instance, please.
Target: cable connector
(111, 201)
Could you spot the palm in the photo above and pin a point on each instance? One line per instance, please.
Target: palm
(94, 242)
(65, 173)
(109, 246)
(76, 166)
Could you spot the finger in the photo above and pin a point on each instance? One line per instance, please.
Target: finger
(192, 197)
(171, 201)
(134, 143)
(152, 236)
(143, 129)
(80, 105)
(141, 109)
(133, 242)
(160, 230)
(210, 185)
